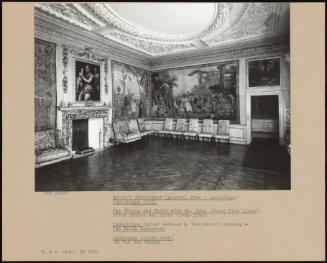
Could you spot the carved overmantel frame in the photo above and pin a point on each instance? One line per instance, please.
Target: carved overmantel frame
(76, 113)
(69, 57)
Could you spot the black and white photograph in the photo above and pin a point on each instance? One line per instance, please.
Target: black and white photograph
(161, 96)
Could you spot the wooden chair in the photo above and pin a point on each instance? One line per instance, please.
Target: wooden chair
(207, 129)
(168, 127)
(193, 129)
(180, 128)
(222, 131)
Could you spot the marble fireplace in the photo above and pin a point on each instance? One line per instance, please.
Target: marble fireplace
(99, 125)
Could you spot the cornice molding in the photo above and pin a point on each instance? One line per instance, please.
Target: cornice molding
(248, 48)
(59, 32)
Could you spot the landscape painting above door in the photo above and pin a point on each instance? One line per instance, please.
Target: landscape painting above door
(265, 72)
(203, 91)
(131, 91)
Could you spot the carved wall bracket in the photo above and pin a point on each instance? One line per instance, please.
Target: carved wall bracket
(65, 63)
(106, 70)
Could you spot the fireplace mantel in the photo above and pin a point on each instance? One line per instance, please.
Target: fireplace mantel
(86, 112)
(68, 114)
(82, 108)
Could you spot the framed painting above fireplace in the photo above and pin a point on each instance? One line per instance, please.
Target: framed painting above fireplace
(87, 81)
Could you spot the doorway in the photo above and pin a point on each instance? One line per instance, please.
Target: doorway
(265, 117)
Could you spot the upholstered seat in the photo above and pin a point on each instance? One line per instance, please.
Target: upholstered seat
(133, 136)
(176, 133)
(51, 154)
(133, 126)
(207, 129)
(205, 135)
(126, 131)
(48, 148)
(145, 133)
(180, 127)
(142, 128)
(164, 132)
(222, 131)
(168, 127)
(193, 129)
(190, 134)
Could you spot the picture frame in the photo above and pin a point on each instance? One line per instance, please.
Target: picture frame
(264, 72)
(87, 81)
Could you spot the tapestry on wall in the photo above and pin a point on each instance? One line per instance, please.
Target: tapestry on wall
(131, 91)
(204, 91)
(45, 85)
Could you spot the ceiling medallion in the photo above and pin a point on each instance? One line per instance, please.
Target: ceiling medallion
(103, 11)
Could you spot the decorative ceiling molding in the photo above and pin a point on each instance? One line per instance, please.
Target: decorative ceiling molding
(150, 47)
(59, 32)
(81, 9)
(259, 19)
(104, 11)
(231, 23)
(68, 13)
(272, 45)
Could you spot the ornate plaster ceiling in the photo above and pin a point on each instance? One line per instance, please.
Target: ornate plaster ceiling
(165, 28)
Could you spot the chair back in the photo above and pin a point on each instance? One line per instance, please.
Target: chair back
(45, 140)
(207, 126)
(193, 125)
(141, 124)
(168, 126)
(133, 126)
(180, 125)
(223, 127)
